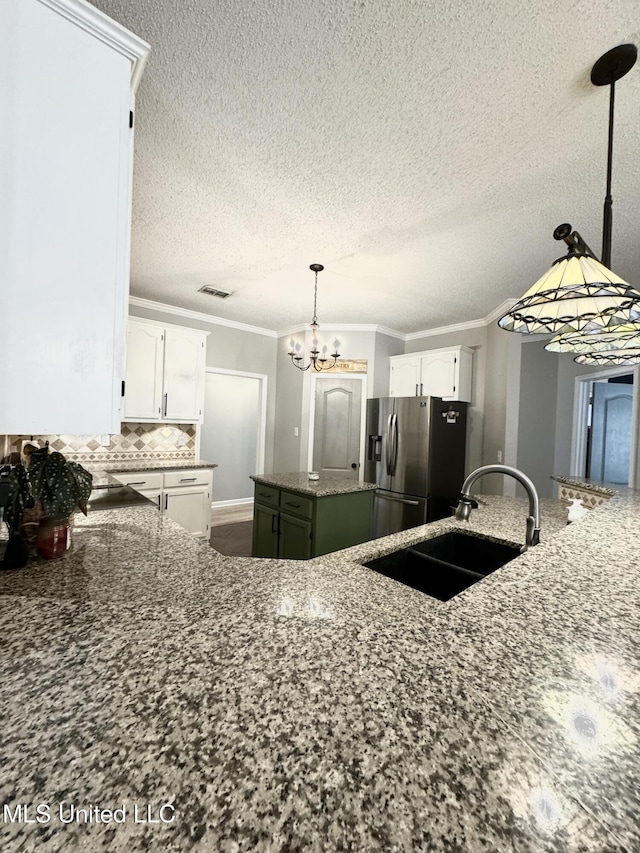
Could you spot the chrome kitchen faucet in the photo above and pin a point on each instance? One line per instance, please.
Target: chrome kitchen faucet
(466, 503)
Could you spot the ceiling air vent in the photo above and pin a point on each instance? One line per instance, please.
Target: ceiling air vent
(212, 291)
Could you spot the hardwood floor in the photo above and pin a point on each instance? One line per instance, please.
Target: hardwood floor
(231, 514)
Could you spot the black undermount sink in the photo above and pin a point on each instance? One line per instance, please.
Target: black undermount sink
(445, 565)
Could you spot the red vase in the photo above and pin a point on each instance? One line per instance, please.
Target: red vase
(54, 536)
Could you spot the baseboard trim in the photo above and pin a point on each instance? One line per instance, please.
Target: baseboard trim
(237, 502)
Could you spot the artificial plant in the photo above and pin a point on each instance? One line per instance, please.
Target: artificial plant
(18, 500)
(58, 485)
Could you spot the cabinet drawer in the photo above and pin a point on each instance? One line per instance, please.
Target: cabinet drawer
(141, 480)
(189, 477)
(294, 504)
(267, 495)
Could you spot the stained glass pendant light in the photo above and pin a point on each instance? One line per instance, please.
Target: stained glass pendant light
(580, 294)
(610, 358)
(626, 336)
(317, 360)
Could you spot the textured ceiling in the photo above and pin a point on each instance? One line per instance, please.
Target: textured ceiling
(423, 152)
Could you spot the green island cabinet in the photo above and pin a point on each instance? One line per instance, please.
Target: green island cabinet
(294, 526)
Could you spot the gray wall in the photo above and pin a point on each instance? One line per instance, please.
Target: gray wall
(537, 415)
(501, 401)
(476, 339)
(289, 388)
(293, 395)
(385, 347)
(568, 370)
(233, 349)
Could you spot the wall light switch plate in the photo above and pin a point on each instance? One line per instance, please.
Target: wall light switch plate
(499, 456)
(182, 440)
(296, 432)
(105, 440)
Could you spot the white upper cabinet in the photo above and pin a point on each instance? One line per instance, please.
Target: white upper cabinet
(143, 382)
(444, 373)
(404, 377)
(65, 184)
(184, 367)
(165, 373)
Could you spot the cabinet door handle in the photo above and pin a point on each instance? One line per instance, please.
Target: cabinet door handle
(264, 494)
(159, 504)
(139, 483)
(166, 403)
(273, 519)
(416, 389)
(421, 389)
(166, 501)
(289, 503)
(187, 479)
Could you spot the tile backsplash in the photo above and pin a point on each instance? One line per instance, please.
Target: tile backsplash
(135, 441)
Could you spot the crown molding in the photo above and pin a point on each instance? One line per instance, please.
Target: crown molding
(443, 330)
(501, 309)
(188, 314)
(108, 31)
(469, 324)
(345, 327)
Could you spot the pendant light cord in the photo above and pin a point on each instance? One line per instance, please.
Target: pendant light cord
(314, 322)
(607, 219)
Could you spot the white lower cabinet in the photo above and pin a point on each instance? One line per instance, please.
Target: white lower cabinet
(444, 373)
(184, 495)
(190, 507)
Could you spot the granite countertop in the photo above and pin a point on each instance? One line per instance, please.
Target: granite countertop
(150, 465)
(318, 706)
(328, 484)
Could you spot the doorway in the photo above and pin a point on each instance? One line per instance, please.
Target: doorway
(233, 432)
(605, 422)
(337, 425)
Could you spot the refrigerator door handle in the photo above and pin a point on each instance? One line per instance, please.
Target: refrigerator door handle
(394, 433)
(397, 500)
(387, 445)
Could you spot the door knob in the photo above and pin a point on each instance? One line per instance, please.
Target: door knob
(354, 464)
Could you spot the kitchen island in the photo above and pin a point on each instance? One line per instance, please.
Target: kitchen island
(272, 705)
(297, 518)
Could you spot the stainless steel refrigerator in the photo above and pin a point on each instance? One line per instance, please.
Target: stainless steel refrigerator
(416, 456)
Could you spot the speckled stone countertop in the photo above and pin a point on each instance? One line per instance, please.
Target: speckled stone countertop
(153, 465)
(328, 484)
(102, 476)
(318, 706)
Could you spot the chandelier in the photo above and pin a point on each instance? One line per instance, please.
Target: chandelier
(318, 360)
(588, 308)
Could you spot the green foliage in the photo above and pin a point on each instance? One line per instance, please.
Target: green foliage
(19, 497)
(58, 485)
